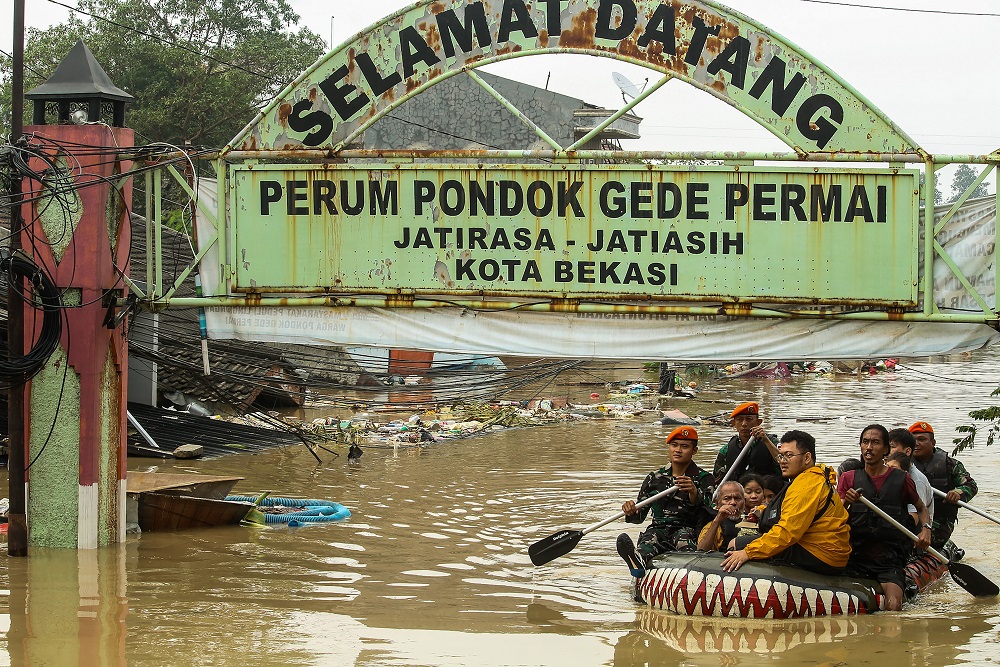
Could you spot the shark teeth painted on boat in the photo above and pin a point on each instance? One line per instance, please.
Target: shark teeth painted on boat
(827, 597)
(811, 595)
(763, 587)
(692, 604)
(728, 588)
(746, 585)
(713, 593)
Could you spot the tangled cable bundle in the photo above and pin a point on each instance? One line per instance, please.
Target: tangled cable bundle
(303, 511)
(18, 370)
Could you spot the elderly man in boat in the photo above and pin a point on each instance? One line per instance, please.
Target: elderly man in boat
(878, 550)
(677, 517)
(806, 524)
(762, 457)
(724, 526)
(945, 474)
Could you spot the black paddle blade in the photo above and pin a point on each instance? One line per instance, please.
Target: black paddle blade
(973, 580)
(553, 546)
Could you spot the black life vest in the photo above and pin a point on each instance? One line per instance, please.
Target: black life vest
(938, 472)
(729, 532)
(757, 460)
(866, 524)
(772, 513)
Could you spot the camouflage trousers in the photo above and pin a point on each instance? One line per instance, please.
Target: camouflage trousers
(654, 541)
(941, 531)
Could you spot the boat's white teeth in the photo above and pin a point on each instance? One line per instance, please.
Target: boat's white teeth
(827, 597)
(796, 593)
(844, 600)
(746, 585)
(659, 591)
(671, 594)
(763, 588)
(728, 588)
(714, 592)
(780, 591)
(811, 595)
(670, 577)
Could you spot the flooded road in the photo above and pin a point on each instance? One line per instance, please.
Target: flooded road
(432, 569)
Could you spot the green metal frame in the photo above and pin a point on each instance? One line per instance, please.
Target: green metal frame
(157, 295)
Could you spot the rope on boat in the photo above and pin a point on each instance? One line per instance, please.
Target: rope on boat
(313, 511)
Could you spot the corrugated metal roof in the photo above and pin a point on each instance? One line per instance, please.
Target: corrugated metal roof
(171, 429)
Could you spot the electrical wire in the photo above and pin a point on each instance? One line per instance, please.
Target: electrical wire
(945, 12)
(44, 296)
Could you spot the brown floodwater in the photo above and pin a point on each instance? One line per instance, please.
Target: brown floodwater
(432, 569)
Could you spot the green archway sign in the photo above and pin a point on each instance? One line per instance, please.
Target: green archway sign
(570, 231)
(710, 46)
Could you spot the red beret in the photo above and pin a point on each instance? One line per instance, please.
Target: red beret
(683, 433)
(746, 409)
(921, 427)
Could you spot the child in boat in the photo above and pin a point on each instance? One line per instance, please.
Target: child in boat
(729, 503)
(753, 490)
(773, 484)
(676, 517)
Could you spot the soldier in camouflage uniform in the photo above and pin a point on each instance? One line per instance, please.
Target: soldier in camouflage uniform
(676, 518)
(945, 474)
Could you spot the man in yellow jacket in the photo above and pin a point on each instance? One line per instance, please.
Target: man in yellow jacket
(806, 524)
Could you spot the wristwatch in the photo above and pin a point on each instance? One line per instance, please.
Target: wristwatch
(927, 526)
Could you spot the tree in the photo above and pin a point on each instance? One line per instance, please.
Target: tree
(963, 179)
(937, 191)
(988, 420)
(200, 70)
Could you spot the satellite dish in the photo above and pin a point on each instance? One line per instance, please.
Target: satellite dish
(628, 88)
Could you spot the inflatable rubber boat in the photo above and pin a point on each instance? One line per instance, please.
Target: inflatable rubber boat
(694, 584)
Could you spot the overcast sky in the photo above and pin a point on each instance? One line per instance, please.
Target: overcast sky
(933, 74)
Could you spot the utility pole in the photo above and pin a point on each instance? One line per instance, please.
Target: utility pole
(17, 535)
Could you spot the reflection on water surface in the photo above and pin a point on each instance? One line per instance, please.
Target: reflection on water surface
(432, 568)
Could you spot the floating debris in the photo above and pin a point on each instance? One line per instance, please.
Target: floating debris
(464, 420)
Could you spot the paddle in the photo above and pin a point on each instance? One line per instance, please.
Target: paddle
(938, 492)
(561, 543)
(964, 575)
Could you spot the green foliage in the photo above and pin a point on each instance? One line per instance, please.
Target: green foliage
(989, 419)
(964, 177)
(200, 70)
(937, 192)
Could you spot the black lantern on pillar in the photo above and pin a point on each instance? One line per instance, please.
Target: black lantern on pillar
(79, 91)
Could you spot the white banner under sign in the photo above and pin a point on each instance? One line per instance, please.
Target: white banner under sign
(968, 238)
(583, 336)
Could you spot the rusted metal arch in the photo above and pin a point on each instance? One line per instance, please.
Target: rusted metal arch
(364, 85)
(901, 149)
